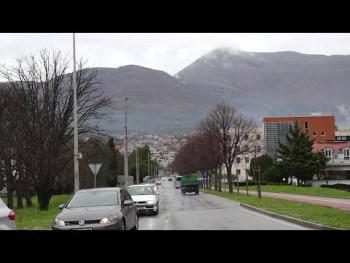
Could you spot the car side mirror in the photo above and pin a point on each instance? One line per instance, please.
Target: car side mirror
(128, 202)
(61, 206)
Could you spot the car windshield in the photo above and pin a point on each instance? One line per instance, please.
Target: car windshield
(140, 190)
(94, 198)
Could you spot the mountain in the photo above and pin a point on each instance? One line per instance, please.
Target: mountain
(258, 84)
(157, 101)
(273, 84)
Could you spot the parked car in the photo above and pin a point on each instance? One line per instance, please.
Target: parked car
(7, 217)
(145, 198)
(110, 208)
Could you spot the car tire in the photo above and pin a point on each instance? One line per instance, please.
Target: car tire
(123, 224)
(157, 211)
(136, 227)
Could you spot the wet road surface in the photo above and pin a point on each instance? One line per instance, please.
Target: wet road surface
(206, 212)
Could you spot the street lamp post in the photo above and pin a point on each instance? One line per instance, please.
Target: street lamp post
(76, 161)
(137, 167)
(126, 172)
(148, 164)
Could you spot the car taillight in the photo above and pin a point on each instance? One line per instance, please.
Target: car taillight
(12, 215)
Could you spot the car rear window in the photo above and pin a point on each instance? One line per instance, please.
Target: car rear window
(178, 178)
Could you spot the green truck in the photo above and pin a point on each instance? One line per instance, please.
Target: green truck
(189, 184)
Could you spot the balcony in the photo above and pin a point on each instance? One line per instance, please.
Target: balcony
(339, 161)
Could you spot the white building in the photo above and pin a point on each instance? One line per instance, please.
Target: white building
(338, 154)
(241, 165)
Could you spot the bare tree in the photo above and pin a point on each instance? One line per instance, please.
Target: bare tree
(230, 129)
(11, 146)
(213, 158)
(45, 102)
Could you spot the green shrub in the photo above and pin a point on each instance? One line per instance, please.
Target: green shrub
(343, 187)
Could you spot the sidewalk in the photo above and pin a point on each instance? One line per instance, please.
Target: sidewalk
(340, 203)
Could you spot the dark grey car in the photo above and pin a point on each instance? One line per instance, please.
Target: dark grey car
(109, 208)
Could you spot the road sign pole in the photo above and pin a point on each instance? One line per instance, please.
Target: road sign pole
(95, 167)
(95, 175)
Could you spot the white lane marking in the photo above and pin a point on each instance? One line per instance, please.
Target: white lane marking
(166, 221)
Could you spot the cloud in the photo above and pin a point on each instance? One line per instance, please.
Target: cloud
(344, 111)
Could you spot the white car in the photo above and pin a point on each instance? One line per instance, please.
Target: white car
(7, 217)
(144, 197)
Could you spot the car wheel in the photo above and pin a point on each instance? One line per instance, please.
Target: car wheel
(136, 227)
(157, 211)
(123, 224)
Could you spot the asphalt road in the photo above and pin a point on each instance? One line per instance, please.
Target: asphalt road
(206, 212)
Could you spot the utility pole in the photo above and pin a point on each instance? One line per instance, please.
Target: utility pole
(137, 167)
(126, 172)
(148, 164)
(76, 161)
(151, 169)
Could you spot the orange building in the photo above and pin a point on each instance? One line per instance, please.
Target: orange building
(320, 128)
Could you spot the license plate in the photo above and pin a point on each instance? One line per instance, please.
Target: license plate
(86, 228)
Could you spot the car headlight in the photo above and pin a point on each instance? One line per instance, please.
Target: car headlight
(59, 222)
(150, 202)
(109, 219)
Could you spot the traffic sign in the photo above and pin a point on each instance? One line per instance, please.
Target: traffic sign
(95, 167)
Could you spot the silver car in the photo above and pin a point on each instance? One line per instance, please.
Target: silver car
(7, 217)
(145, 198)
(110, 208)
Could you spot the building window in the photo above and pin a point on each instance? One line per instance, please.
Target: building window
(306, 126)
(246, 137)
(338, 138)
(246, 159)
(323, 133)
(258, 149)
(238, 172)
(343, 138)
(247, 172)
(346, 154)
(314, 133)
(258, 136)
(328, 153)
(238, 160)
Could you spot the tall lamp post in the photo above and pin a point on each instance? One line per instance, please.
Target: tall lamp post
(76, 161)
(126, 172)
(148, 163)
(137, 167)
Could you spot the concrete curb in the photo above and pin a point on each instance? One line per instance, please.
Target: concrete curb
(290, 219)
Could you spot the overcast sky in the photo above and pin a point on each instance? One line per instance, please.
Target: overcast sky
(169, 52)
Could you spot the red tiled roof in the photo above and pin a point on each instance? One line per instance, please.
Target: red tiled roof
(336, 146)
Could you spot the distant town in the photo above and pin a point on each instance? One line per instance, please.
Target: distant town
(163, 147)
